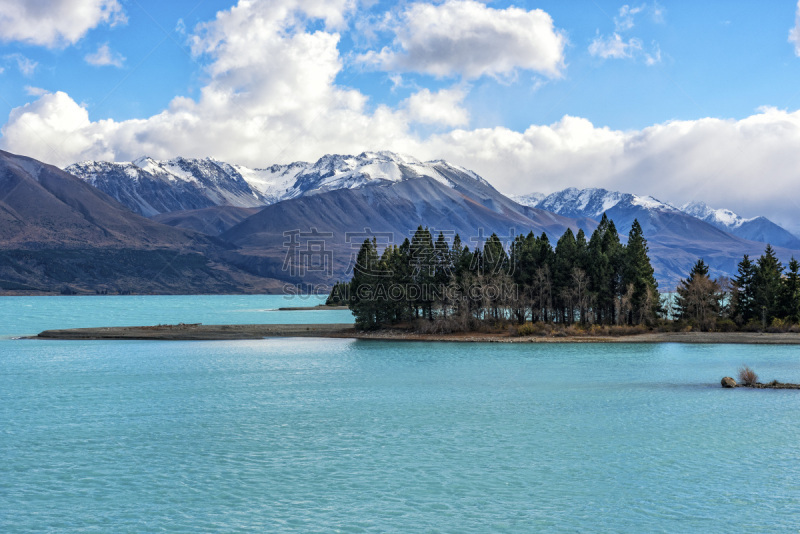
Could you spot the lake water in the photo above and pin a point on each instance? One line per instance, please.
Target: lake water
(361, 436)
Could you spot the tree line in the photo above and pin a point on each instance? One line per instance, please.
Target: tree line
(762, 295)
(577, 281)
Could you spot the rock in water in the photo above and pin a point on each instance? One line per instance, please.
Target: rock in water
(728, 382)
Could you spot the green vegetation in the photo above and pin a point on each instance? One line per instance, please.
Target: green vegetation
(594, 287)
(453, 288)
(763, 296)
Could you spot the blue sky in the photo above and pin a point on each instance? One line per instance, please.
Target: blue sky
(681, 100)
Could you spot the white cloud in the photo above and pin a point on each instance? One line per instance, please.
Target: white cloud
(794, 33)
(726, 161)
(271, 97)
(35, 91)
(54, 23)
(104, 56)
(25, 65)
(614, 46)
(441, 108)
(624, 21)
(467, 38)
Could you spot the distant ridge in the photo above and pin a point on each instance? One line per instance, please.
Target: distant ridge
(151, 187)
(250, 209)
(57, 233)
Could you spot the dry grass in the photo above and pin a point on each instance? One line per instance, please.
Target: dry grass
(747, 376)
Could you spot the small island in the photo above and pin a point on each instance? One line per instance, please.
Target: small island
(749, 379)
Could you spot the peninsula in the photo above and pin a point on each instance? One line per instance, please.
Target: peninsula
(183, 332)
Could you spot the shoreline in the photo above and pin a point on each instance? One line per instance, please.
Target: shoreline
(198, 332)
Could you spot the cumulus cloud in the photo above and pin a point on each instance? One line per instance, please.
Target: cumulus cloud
(55, 23)
(104, 56)
(271, 97)
(794, 33)
(440, 108)
(469, 39)
(724, 161)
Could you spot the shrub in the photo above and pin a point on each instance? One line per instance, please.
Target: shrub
(526, 329)
(779, 325)
(747, 376)
(726, 325)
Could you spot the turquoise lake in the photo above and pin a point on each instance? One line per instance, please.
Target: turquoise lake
(304, 435)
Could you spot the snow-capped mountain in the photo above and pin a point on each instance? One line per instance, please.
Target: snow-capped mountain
(530, 200)
(623, 208)
(151, 187)
(593, 202)
(754, 229)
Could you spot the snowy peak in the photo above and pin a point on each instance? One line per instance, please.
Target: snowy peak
(755, 229)
(531, 199)
(151, 186)
(593, 202)
(718, 217)
(335, 171)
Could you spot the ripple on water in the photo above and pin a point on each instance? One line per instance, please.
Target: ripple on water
(336, 435)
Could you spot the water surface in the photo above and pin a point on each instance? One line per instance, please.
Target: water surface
(363, 436)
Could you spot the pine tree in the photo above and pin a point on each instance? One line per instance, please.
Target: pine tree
(423, 263)
(790, 294)
(564, 260)
(767, 283)
(744, 291)
(698, 298)
(363, 287)
(638, 273)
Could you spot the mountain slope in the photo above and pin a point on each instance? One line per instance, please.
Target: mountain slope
(676, 239)
(151, 187)
(754, 229)
(57, 230)
(396, 209)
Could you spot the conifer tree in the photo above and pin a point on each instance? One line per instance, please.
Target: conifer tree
(638, 273)
(363, 287)
(698, 298)
(744, 291)
(767, 284)
(790, 294)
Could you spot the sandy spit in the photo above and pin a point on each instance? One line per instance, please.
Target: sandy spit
(259, 331)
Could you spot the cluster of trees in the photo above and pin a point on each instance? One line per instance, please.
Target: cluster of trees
(762, 294)
(599, 281)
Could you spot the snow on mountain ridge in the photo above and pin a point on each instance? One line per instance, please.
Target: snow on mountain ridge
(593, 202)
(222, 183)
(724, 217)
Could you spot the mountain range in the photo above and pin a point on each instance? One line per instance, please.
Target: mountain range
(58, 233)
(255, 227)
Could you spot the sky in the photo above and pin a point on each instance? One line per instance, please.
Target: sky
(679, 100)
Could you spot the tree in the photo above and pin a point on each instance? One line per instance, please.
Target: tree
(364, 302)
(698, 298)
(767, 282)
(790, 293)
(638, 273)
(744, 291)
(564, 260)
